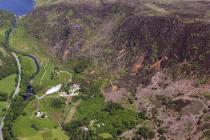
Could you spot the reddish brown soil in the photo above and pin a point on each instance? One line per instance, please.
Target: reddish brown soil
(115, 96)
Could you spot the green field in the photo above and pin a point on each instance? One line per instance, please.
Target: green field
(105, 136)
(22, 42)
(46, 128)
(54, 134)
(45, 79)
(7, 84)
(89, 106)
(28, 66)
(54, 114)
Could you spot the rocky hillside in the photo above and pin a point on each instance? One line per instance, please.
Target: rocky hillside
(153, 30)
(162, 49)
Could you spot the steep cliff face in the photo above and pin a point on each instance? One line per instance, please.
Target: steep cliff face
(69, 28)
(166, 36)
(173, 55)
(120, 31)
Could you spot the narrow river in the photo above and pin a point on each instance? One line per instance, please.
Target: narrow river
(17, 88)
(19, 8)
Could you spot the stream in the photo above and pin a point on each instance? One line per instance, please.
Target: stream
(17, 88)
(19, 8)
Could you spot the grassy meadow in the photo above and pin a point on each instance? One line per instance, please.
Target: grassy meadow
(28, 126)
(7, 85)
(28, 66)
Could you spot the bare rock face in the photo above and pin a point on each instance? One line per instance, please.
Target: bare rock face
(177, 107)
(115, 95)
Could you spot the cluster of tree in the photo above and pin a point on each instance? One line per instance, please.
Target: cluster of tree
(6, 41)
(3, 96)
(8, 66)
(144, 132)
(75, 132)
(92, 89)
(112, 107)
(113, 116)
(35, 127)
(81, 66)
(17, 104)
(15, 110)
(57, 102)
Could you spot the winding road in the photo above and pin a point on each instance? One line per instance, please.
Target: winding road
(17, 90)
